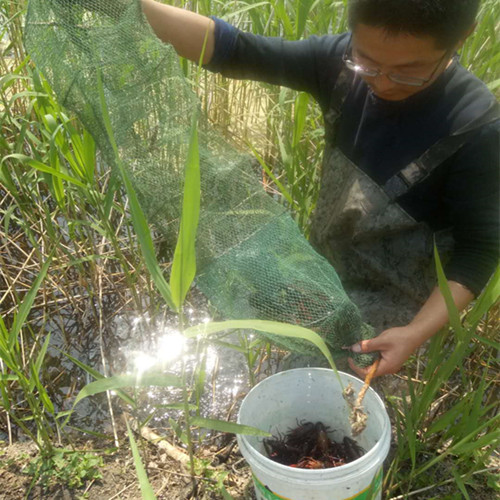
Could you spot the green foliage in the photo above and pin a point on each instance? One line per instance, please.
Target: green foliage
(66, 467)
(120, 381)
(146, 489)
(138, 218)
(20, 375)
(184, 263)
(272, 327)
(55, 197)
(465, 430)
(230, 427)
(215, 477)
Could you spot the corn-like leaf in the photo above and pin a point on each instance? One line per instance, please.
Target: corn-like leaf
(99, 376)
(57, 185)
(454, 316)
(303, 8)
(410, 434)
(460, 483)
(491, 439)
(176, 406)
(300, 115)
(121, 381)
(138, 219)
(38, 363)
(184, 263)
(41, 355)
(231, 427)
(274, 327)
(237, 12)
(88, 156)
(490, 295)
(146, 489)
(448, 418)
(43, 395)
(284, 18)
(465, 444)
(45, 168)
(27, 303)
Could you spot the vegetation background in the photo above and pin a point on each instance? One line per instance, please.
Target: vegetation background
(70, 261)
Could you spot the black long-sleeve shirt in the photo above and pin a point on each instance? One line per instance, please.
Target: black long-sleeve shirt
(382, 137)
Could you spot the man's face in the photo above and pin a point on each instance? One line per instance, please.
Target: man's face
(402, 54)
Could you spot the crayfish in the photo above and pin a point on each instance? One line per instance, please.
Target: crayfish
(308, 446)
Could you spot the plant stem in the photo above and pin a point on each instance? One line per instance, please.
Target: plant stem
(185, 400)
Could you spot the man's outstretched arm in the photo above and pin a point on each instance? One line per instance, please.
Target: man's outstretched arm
(397, 344)
(185, 30)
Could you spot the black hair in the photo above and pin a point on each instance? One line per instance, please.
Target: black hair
(447, 21)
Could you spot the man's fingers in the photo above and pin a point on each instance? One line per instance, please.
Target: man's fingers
(383, 369)
(361, 372)
(363, 346)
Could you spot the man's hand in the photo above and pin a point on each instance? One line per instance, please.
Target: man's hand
(395, 346)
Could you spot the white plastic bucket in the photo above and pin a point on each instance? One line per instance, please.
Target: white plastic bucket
(315, 395)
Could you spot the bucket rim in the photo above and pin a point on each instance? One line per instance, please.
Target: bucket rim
(380, 448)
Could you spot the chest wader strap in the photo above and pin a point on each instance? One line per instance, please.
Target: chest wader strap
(400, 183)
(339, 93)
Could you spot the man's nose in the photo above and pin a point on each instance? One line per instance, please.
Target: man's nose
(382, 84)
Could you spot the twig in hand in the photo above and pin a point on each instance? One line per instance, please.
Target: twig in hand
(358, 417)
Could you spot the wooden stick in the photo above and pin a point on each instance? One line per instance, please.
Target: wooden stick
(151, 436)
(357, 416)
(368, 380)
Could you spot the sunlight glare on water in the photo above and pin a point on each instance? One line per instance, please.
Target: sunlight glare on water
(160, 345)
(167, 347)
(170, 345)
(156, 344)
(142, 362)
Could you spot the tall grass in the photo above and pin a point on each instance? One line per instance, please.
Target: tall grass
(450, 414)
(58, 200)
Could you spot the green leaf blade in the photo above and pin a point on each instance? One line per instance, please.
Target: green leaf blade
(184, 263)
(230, 427)
(121, 381)
(146, 489)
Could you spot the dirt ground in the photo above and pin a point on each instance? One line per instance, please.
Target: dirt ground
(168, 478)
(220, 460)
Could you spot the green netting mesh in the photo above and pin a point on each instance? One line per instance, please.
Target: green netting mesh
(252, 259)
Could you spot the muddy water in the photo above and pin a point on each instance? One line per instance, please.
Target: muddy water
(135, 342)
(159, 345)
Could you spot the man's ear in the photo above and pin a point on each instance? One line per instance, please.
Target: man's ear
(467, 34)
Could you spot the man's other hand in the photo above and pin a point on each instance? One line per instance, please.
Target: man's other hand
(395, 346)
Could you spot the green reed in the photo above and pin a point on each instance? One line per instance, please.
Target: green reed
(58, 200)
(21, 372)
(450, 414)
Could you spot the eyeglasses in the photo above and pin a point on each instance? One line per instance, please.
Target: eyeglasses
(401, 79)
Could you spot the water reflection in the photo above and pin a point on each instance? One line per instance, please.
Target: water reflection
(135, 343)
(217, 374)
(171, 345)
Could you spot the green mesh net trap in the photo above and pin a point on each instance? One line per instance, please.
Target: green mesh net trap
(252, 260)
